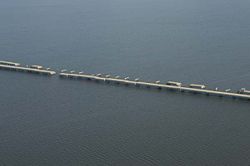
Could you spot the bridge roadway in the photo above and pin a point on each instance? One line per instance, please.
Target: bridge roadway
(27, 69)
(177, 88)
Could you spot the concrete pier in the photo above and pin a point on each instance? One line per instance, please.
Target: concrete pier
(158, 85)
(27, 69)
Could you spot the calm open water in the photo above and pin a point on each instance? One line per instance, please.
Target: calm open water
(51, 121)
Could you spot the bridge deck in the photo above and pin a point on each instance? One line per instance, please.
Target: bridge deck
(182, 88)
(28, 69)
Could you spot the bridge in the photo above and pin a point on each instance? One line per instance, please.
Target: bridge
(27, 69)
(157, 84)
(192, 88)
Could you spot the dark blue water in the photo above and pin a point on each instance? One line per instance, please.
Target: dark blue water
(51, 121)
